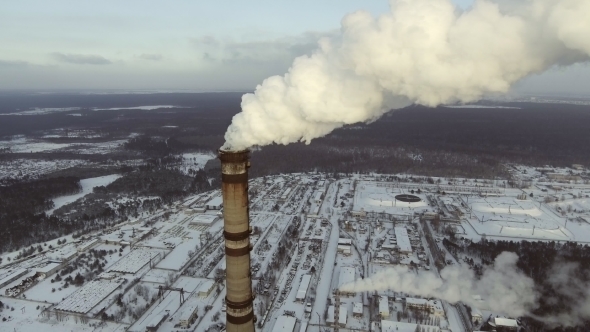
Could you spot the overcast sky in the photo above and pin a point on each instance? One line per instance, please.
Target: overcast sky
(193, 45)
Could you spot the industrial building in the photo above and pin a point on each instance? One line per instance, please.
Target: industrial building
(47, 270)
(285, 324)
(303, 286)
(12, 276)
(432, 306)
(403, 241)
(361, 214)
(504, 324)
(390, 326)
(357, 309)
(215, 203)
(88, 245)
(188, 315)
(317, 197)
(155, 323)
(345, 250)
(384, 306)
(203, 219)
(206, 288)
(342, 316)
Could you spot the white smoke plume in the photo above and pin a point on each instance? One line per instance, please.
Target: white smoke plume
(503, 287)
(424, 51)
(569, 294)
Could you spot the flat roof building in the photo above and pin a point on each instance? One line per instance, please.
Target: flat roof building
(390, 326)
(403, 241)
(303, 286)
(384, 306)
(203, 219)
(215, 203)
(357, 309)
(12, 276)
(48, 269)
(285, 324)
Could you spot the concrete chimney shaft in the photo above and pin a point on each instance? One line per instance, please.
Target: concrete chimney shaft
(239, 298)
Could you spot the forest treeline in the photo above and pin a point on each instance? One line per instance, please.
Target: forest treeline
(148, 188)
(22, 207)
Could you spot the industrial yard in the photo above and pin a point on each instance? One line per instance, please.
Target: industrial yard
(311, 234)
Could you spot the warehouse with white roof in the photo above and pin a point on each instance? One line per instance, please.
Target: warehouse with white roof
(303, 286)
(403, 241)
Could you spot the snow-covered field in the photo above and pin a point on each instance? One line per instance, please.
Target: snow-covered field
(372, 198)
(87, 186)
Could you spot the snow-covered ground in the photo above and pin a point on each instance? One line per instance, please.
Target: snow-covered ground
(193, 254)
(87, 186)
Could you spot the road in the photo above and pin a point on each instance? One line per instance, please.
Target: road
(324, 283)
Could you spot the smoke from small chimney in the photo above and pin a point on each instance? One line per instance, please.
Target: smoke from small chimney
(424, 51)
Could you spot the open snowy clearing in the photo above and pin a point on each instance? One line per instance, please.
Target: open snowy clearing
(87, 186)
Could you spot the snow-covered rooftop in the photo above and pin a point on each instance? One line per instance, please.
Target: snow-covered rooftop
(285, 323)
(134, 261)
(357, 308)
(384, 306)
(390, 326)
(347, 275)
(87, 297)
(303, 286)
(204, 219)
(505, 322)
(403, 242)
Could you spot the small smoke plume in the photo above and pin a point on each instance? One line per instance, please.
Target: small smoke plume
(423, 51)
(568, 294)
(503, 287)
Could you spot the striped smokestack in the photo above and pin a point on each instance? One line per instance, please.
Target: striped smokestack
(239, 298)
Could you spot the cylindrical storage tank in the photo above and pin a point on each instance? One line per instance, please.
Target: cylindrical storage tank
(234, 178)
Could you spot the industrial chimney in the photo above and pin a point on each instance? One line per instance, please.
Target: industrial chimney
(239, 298)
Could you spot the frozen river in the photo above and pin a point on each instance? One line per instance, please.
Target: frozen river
(87, 186)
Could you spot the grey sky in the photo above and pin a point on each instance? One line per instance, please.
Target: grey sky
(194, 45)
